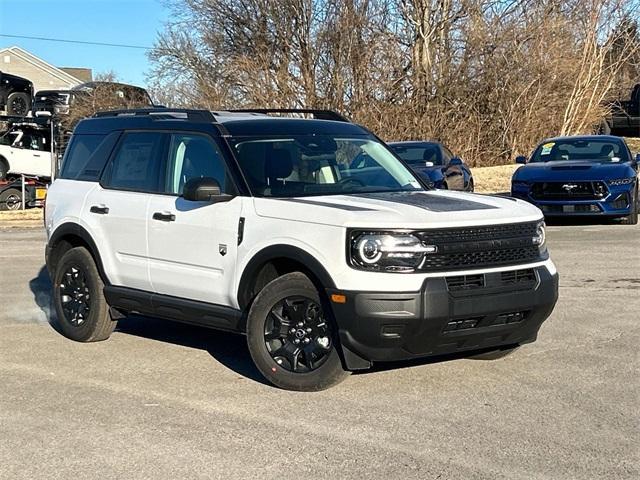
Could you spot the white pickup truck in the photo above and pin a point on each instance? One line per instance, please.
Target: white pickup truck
(25, 149)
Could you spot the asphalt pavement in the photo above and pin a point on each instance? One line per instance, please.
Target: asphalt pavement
(165, 401)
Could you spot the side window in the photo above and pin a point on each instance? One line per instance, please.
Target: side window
(447, 155)
(78, 153)
(193, 156)
(136, 164)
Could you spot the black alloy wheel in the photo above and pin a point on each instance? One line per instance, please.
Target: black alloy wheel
(75, 296)
(18, 106)
(297, 335)
(81, 309)
(292, 336)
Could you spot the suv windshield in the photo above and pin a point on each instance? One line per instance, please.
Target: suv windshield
(320, 165)
(596, 150)
(419, 154)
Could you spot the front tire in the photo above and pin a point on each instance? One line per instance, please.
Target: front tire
(291, 338)
(632, 218)
(19, 104)
(83, 313)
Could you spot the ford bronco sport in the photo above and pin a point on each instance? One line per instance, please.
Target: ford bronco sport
(256, 224)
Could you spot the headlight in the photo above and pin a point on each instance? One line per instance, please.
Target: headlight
(540, 239)
(621, 181)
(392, 252)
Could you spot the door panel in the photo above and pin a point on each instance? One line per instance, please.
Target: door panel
(118, 208)
(186, 254)
(193, 245)
(118, 221)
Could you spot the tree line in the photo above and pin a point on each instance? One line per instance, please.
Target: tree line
(488, 77)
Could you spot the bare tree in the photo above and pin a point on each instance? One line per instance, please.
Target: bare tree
(489, 77)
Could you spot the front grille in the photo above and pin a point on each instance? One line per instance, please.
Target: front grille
(620, 202)
(569, 190)
(480, 247)
(465, 282)
(577, 208)
(514, 277)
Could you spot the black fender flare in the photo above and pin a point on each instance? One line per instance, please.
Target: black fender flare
(282, 251)
(75, 230)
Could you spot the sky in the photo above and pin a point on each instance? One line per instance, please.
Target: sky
(131, 22)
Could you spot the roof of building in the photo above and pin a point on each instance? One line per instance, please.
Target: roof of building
(39, 63)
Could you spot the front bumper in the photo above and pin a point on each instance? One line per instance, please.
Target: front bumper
(380, 327)
(617, 203)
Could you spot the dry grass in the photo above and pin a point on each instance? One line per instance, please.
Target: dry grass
(31, 218)
(493, 179)
(634, 144)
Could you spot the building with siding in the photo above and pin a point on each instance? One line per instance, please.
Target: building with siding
(43, 75)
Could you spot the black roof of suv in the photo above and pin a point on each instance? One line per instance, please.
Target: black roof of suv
(227, 122)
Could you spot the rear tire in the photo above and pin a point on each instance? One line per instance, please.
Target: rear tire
(291, 338)
(11, 199)
(19, 104)
(83, 313)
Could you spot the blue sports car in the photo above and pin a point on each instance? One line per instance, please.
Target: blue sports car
(435, 163)
(581, 175)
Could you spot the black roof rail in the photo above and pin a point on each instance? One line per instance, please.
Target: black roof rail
(204, 116)
(317, 113)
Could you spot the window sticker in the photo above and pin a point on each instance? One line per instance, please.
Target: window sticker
(546, 148)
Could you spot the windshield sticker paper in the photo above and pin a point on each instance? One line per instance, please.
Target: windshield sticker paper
(546, 148)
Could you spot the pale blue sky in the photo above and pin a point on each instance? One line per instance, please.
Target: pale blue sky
(132, 22)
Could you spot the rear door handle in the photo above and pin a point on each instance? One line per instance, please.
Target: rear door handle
(164, 216)
(99, 209)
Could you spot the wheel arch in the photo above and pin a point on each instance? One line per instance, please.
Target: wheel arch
(274, 261)
(71, 235)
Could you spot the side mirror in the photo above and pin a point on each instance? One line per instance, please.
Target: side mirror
(455, 161)
(521, 159)
(204, 189)
(638, 158)
(428, 164)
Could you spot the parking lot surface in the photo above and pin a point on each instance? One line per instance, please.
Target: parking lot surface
(166, 401)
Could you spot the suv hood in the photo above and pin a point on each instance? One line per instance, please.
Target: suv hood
(567, 170)
(431, 209)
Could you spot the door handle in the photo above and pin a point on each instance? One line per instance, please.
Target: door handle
(164, 216)
(35, 155)
(99, 209)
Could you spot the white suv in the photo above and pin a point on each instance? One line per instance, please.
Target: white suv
(273, 227)
(25, 149)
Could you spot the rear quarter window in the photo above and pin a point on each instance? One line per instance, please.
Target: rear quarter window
(80, 151)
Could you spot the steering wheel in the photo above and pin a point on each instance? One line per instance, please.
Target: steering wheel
(348, 180)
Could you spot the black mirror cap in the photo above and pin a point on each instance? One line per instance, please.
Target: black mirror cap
(202, 189)
(521, 159)
(455, 161)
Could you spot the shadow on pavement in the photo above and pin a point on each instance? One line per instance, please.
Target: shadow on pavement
(40, 287)
(581, 221)
(229, 349)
